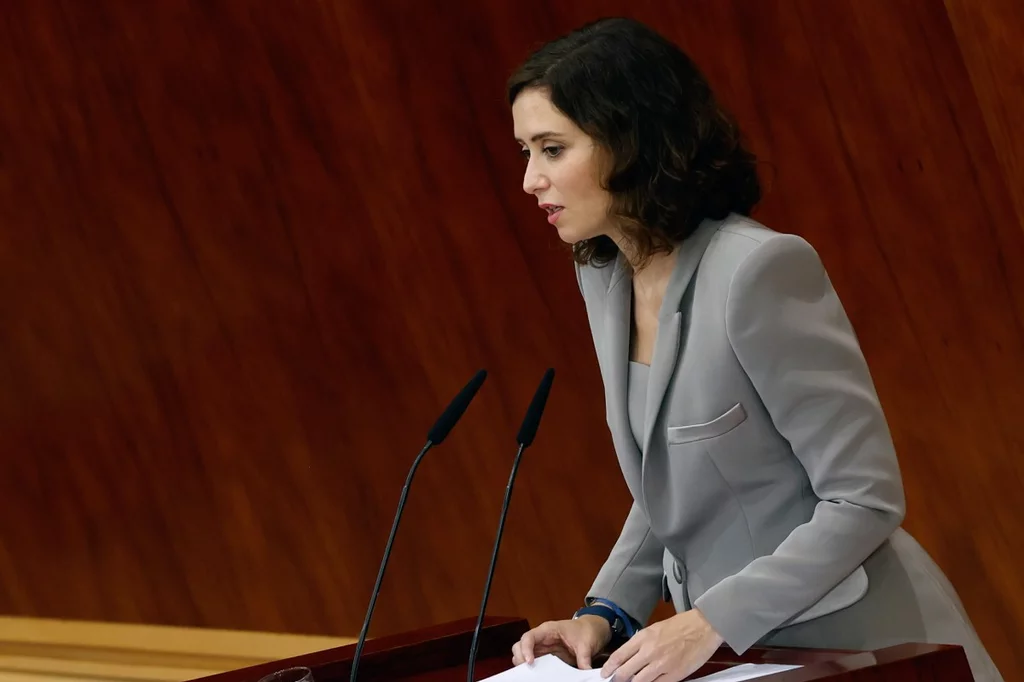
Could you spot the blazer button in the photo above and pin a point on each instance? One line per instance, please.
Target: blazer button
(677, 572)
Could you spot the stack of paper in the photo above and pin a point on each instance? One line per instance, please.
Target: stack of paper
(550, 668)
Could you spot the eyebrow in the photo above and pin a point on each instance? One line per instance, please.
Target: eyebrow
(540, 136)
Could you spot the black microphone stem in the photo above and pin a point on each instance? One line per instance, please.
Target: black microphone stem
(444, 424)
(527, 432)
(384, 563)
(494, 561)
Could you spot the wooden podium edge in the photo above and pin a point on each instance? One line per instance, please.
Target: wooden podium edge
(944, 662)
(431, 648)
(446, 646)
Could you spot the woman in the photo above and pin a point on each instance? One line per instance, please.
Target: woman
(767, 495)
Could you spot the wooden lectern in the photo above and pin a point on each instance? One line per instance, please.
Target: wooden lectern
(439, 654)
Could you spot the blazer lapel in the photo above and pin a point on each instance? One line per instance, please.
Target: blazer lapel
(618, 313)
(670, 318)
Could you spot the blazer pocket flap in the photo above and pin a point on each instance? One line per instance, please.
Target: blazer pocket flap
(736, 415)
(847, 593)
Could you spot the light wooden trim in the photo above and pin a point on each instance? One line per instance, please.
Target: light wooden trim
(47, 650)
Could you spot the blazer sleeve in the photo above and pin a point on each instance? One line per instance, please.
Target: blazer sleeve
(632, 575)
(792, 337)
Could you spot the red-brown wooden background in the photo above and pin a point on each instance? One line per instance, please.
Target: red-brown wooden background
(248, 249)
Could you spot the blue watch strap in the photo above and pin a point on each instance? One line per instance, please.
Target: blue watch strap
(597, 610)
(627, 622)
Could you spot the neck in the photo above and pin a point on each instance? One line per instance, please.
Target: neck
(655, 265)
(628, 250)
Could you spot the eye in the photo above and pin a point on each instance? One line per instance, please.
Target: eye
(553, 150)
(525, 153)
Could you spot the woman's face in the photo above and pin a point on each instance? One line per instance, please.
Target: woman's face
(563, 168)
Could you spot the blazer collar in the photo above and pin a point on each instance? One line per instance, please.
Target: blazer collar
(618, 322)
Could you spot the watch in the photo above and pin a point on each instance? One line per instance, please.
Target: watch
(617, 624)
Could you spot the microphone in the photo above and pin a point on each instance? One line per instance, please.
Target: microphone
(525, 438)
(436, 436)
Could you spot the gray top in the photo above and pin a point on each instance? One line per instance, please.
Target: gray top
(637, 400)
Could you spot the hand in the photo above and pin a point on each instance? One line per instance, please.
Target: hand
(573, 641)
(667, 651)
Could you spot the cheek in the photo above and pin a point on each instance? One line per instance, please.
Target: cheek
(579, 183)
(597, 199)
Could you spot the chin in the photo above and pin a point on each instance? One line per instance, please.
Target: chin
(571, 236)
(568, 237)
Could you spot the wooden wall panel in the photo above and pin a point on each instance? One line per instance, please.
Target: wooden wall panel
(990, 34)
(249, 249)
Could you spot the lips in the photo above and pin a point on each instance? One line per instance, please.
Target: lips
(553, 211)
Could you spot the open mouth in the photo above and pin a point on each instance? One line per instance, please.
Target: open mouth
(553, 209)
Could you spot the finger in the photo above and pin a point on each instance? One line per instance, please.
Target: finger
(655, 676)
(583, 658)
(620, 656)
(527, 643)
(517, 654)
(629, 668)
(539, 641)
(654, 671)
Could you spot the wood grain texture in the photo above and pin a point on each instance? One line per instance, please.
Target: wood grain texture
(436, 653)
(249, 250)
(990, 34)
(48, 650)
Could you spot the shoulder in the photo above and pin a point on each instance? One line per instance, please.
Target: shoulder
(742, 248)
(737, 237)
(767, 277)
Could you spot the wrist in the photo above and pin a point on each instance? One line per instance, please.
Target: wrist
(709, 628)
(601, 625)
(618, 625)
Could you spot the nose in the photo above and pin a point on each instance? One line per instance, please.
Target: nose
(533, 180)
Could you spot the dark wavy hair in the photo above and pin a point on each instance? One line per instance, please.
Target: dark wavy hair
(675, 157)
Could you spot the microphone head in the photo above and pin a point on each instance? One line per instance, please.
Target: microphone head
(533, 413)
(455, 408)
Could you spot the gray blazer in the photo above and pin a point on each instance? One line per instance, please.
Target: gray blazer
(767, 474)
(766, 489)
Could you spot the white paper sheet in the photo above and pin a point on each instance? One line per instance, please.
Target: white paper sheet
(547, 668)
(550, 668)
(747, 671)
